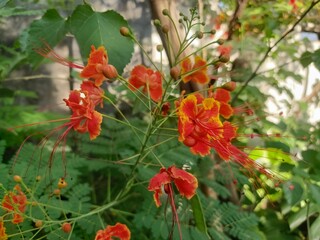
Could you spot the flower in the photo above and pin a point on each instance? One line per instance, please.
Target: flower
(185, 182)
(119, 231)
(15, 202)
(223, 97)
(150, 80)
(95, 94)
(3, 235)
(84, 118)
(224, 50)
(97, 67)
(196, 72)
(201, 129)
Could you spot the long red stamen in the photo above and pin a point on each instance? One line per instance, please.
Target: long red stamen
(49, 53)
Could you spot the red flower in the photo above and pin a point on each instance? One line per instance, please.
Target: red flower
(97, 67)
(150, 80)
(84, 118)
(223, 97)
(15, 202)
(196, 72)
(3, 235)
(94, 93)
(119, 231)
(185, 182)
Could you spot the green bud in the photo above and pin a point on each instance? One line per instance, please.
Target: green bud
(199, 34)
(165, 12)
(159, 48)
(157, 22)
(220, 41)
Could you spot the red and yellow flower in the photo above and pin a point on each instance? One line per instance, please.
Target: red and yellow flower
(150, 80)
(119, 231)
(195, 72)
(15, 201)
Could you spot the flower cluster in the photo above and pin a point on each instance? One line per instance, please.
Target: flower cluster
(15, 202)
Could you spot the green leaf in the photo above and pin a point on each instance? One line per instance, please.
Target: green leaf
(51, 29)
(315, 193)
(293, 192)
(316, 59)
(306, 59)
(314, 229)
(296, 219)
(101, 28)
(198, 214)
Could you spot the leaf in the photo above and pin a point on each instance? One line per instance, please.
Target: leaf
(198, 214)
(306, 59)
(296, 219)
(315, 193)
(51, 29)
(293, 192)
(95, 28)
(314, 229)
(316, 59)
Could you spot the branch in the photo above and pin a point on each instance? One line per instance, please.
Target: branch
(252, 76)
(241, 4)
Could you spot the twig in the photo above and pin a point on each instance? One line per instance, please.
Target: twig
(270, 48)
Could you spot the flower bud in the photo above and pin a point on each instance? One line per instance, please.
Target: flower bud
(109, 71)
(157, 22)
(66, 227)
(17, 178)
(175, 72)
(62, 183)
(199, 34)
(159, 48)
(229, 86)
(213, 31)
(125, 31)
(220, 41)
(224, 58)
(57, 192)
(38, 224)
(165, 12)
(165, 28)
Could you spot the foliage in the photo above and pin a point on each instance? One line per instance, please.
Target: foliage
(271, 192)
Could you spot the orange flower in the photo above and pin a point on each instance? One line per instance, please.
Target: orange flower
(15, 202)
(97, 67)
(196, 72)
(150, 80)
(3, 235)
(185, 182)
(119, 231)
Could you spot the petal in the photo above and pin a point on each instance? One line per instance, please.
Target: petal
(188, 107)
(158, 180)
(156, 184)
(201, 148)
(156, 94)
(226, 110)
(89, 71)
(186, 65)
(94, 125)
(119, 230)
(93, 92)
(229, 131)
(185, 182)
(222, 95)
(200, 77)
(98, 56)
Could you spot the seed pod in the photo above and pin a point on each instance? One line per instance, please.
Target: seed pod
(17, 178)
(66, 227)
(175, 72)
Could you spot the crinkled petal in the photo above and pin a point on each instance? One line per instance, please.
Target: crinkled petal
(119, 231)
(98, 56)
(156, 184)
(94, 125)
(226, 110)
(200, 148)
(229, 131)
(185, 182)
(188, 107)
